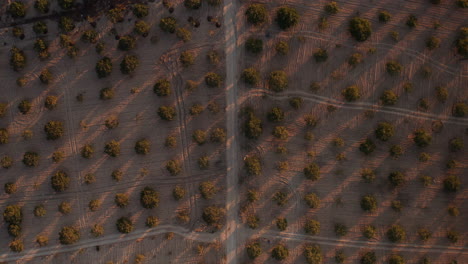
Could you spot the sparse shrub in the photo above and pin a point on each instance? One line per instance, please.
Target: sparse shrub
(452, 183)
(121, 200)
(116, 15)
(17, 9)
(280, 132)
(424, 234)
(140, 10)
(149, 198)
(396, 151)
(42, 241)
(369, 231)
(393, 68)
(312, 171)
(18, 32)
(278, 81)
(360, 28)
(204, 162)
(252, 221)
(453, 210)
(199, 136)
(280, 198)
(4, 136)
(251, 76)
(218, 135)
(66, 4)
(313, 253)
(441, 93)
(187, 58)
(460, 110)
(69, 235)
(89, 178)
(127, 43)
(453, 236)
(396, 233)
(340, 257)
(369, 203)
(89, 36)
(312, 227)
(422, 138)
(351, 93)
(456, 144)
(213, 215)
(367, 147)
(369, 258)
(384, 131)
(104, 67)
(280, 252)
(397, 206)
(213, 57)
(311, 120)
(423, 104)
(94, 205)
(97, 230)
(296, 102)
(129, 64)
(253, 127)
(323, 23)
(281, 223)
(162, 87)
(112, 148)
(168, 24)
(152, 221)
(17, 59)
(408, 87)
(17, 244)
(332, 8)
(462, 3)
(384, 16)
(66, 24)
(396, 259)
(312, 200)
(355, 59)
(87, 151)
(252, 165)
(282, 47)
(46, 76)
(65, 208)
(396, 178)
(142, 146)
(254, 45)
(276, 114)
(124, 225)
(432, 43)
(321, 55)
(395, 35)
(6, 162)
(252, 195)
(54, 130)
(426, 180)
(100, 46)
(173, 167)
(40, 27)
(31, 159)
(60, 181)
(167, 113)
(254, 249)
(178, 193)
(184, 34)
(256, 14)
(50, 102)
(141, 28)
(287, 17)
(213, 80)
(389, 97)
(117, 175)
(10, 188)
(340, 230)
(412, 21)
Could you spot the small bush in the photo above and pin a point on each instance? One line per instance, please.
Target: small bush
(46, 76)
(254, 45)
(141, 28)
(460, 110)
(456, 144)
(396, 234)
(187, 58)
(17, 9)
(111, 122)
(94, 205)
(282, 47)
(397, 178)
(384, 131)
(453, 210)
(280, 198)
(104, 67)
(424, 234)
(60, 181)
(251, 76)
(422, 138)
(355, 59)
(168, 24)
(204, 162)
(313, 253)
(280, 132)
(173, 167)
(4, 136)
(256, 14)
(167, 113)
(252, 221)
(384, 16)
(54, 130)
(199, 136)
(453, 236)
(218, 135)
(432, 43)
(369, 203)
(280, 252)
(389, 97)
(367, 147)
(171, 142)
(69, 235)
(452, 183)
(17, 59)
(121, 200)
(213, 215)
(253, 127)
(412, 21)
(127, 43)
(393, 68)
(13, 214)
(66, 4)
(40, 27)
(178, 193)
(117, 175)
(360, 28)
(441, 93)
(213, 80)
(332, 8)
(351, 93)
(184, 34)
(278, 81)
(31, 159)
(213, 57)
(321, 55)
(462, 3)
(89, 178)
(6, 162)
(51, 102)
(341, 230)
(140, 10)
(312, 227)
(254, 249)
(252, 165)
(312, 171)
(152, 221)
(65, 208)
(281, 223)
(149, 198)
(192, 4)
(124, 225)
(312, 200)
(66, 24)
(276, 114)
(396, 259)
(129, 64)
(369, 258)
(42, 241)
(10, 188)
(89, 36)
(287, 17)
(162, 87)
(112, 148)
(142, 146)
(369, 231)
(16, 245)
(97, 230)
(116, 15)
(87, 151)
(396, 151)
